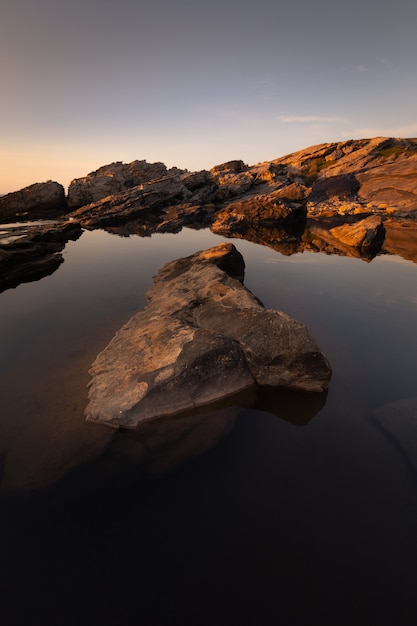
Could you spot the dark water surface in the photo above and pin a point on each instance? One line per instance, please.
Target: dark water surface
(296, 511)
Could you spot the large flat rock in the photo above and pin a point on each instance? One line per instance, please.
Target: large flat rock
(202, 338)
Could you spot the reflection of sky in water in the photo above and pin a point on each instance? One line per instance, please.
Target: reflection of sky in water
(323, 499)
(51, 330)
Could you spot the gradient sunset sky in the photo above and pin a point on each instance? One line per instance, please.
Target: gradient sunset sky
(193, 84)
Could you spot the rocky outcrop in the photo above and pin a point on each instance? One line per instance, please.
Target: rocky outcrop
(113, 179)
(263, 210)
(170, 198)
(33, 251)
(203, 337)
(36, 201)
(360, 236)
(379, 173)
(233, 179)
(344, 178)
(367, 233)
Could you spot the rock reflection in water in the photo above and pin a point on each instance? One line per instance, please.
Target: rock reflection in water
(159, 446)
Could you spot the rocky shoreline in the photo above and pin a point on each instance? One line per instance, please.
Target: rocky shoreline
(203, 337)
(339, 198)
(33, 251)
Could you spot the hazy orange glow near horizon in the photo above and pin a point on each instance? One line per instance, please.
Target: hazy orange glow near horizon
(194, 85)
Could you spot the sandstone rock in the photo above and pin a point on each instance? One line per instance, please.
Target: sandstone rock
(203, 337)
(112, 179)
(233, 178)
(31, 252)
(262, 210)
(36, 201)
(366, 233)
(318, 236)
(173, 200)
(343, 177)
(341, 187)
(293, 192)
(380, 170)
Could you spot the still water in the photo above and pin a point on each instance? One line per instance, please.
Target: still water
(292, 510)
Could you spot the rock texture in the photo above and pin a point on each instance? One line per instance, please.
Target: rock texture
(379, 174)
(263, 210)
(330, 198)
(367, 233)
(203, 337)
(376, 176)
(33, 251)
(161, 204)
(114, 178)
(36, 201)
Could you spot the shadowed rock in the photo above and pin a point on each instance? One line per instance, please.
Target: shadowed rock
(31, 251)
(262, 210)
(36, 201)
(203, 337)
(114, 178)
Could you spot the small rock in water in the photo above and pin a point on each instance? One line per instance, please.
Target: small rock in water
(203, 337)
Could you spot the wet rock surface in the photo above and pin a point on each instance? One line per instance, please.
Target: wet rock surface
(33, 250)
(203, 337)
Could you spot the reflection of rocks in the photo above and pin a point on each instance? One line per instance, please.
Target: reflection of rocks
(354, 236)
(401, 239)
(285, 242)
(291, 406)
(29, 252)
(335, 185)
(202, 337)
(40, 200)
(365, 234)
(162, 445)
(398, 420)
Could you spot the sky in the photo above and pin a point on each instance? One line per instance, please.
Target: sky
(194, 84)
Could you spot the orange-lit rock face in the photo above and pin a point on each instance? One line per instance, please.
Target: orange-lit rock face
(203, 337)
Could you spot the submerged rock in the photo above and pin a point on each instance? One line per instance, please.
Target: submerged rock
(203, 337)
